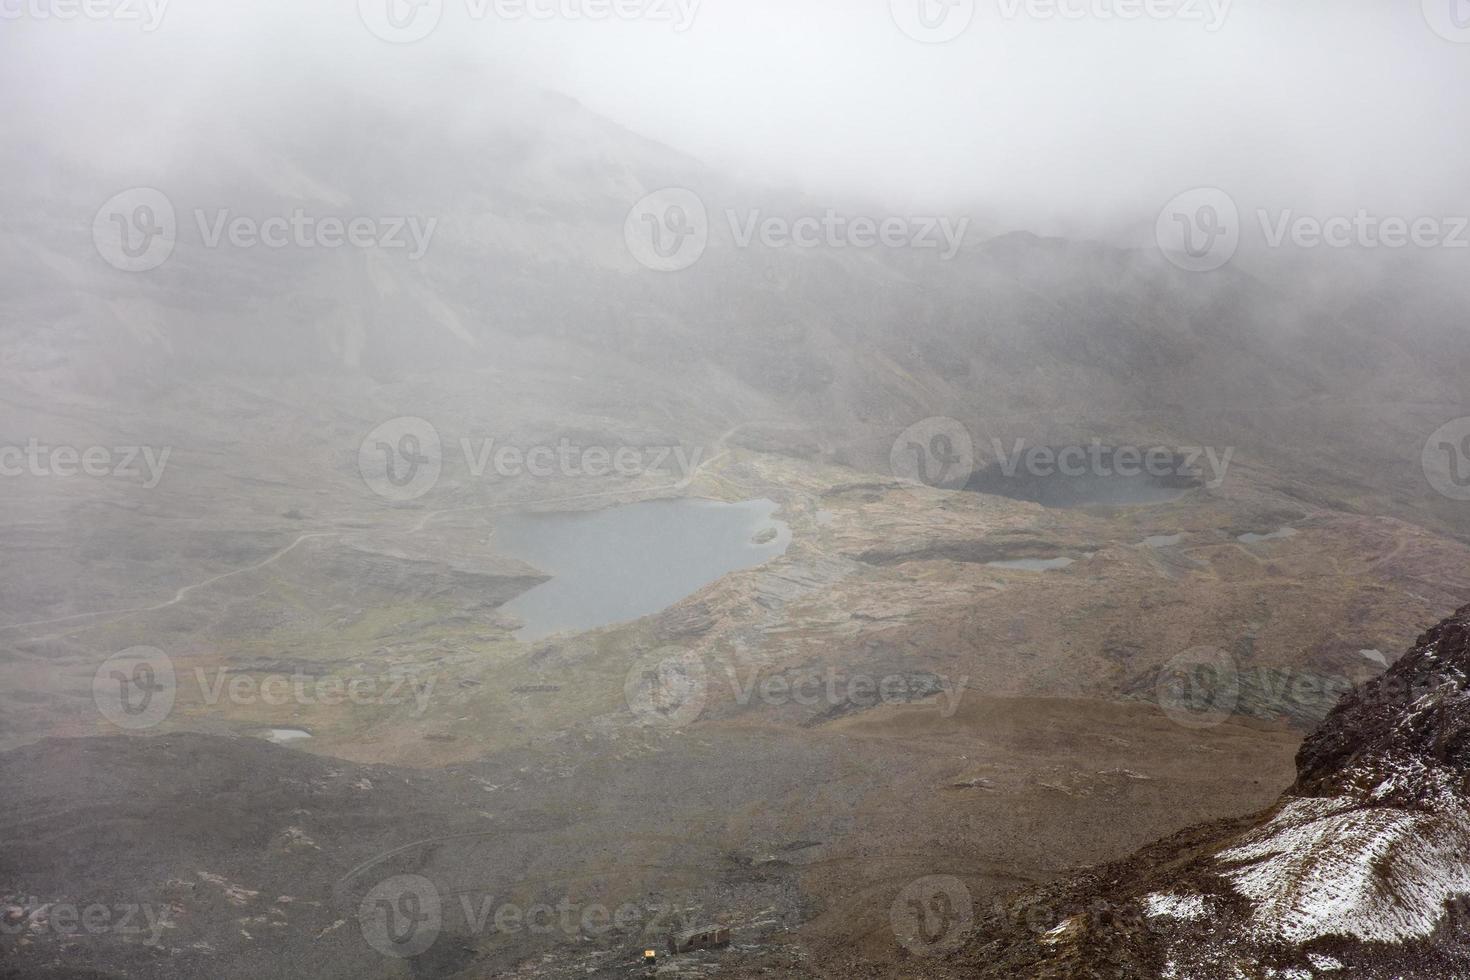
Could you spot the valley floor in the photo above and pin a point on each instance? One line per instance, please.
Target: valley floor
(893, 701)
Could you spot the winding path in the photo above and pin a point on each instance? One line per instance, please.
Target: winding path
(423, 522)
(178, 596)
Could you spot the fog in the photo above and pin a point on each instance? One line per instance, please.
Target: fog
(734, 488)
(1075, 124)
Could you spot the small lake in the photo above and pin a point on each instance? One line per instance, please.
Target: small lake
(625, 562)
(1112, 485)
(1252, 537)
(1032, 564)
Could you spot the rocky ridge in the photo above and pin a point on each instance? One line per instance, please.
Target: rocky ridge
(1362, 866)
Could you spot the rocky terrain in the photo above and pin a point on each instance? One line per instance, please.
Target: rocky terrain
(209, 855)
(1068, 676)
(1360, 869)
(252, 854)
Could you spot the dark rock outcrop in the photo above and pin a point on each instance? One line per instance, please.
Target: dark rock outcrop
(1361, 869)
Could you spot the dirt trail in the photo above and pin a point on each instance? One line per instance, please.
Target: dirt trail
(423, 522)
(178, 596)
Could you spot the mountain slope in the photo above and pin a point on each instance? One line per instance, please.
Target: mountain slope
(1363, 866)
(527, 275)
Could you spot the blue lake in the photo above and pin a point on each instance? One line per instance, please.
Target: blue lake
(624, 562)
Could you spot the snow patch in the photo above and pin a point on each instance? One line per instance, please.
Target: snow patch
(1185, 907)
(1333, 867)
(1060, 931)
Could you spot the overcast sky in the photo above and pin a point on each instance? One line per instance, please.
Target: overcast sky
(1076, 124)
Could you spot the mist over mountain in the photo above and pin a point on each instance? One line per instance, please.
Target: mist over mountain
(502, 489)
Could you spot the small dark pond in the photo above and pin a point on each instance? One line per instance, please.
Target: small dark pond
(1100, 477)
